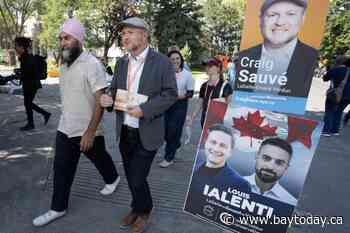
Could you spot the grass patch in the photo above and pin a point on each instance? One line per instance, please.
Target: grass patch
(197, 72)
(197, 69)
(199, 75)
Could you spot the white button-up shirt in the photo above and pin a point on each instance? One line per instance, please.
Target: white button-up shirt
(78, 84)
(137, 63)
(277, 192)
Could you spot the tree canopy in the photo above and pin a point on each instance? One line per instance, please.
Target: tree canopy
(337, 35)
(202, 26)
(13, 15)
(177, 22)
(223, 25)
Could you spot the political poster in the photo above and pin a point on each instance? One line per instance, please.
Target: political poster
(250, 167)
(278, 53)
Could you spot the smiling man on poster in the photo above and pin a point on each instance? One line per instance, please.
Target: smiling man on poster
(282, 65)
(212, 169)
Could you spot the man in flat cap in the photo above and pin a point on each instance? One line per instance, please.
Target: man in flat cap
(140, 128)
(79, 131)
(282, 64)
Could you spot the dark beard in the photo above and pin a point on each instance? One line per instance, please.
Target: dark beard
(74, 53)
(267, 179)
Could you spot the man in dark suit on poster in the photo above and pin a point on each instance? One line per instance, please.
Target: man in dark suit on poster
(150, 76)
(282, 64)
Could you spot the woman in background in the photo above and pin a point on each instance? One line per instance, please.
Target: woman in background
(175, 116)
(215, 87)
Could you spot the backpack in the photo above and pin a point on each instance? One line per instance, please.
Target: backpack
(41, 67)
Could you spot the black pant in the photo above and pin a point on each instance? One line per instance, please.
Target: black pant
(137, 163)
(30, 106)
(333, 115)
(66, 162)
(175, 118)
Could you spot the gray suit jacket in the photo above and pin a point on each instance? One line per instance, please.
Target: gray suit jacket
(159, 84)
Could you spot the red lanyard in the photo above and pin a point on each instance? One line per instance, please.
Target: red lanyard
(133, 72)
(212, 91)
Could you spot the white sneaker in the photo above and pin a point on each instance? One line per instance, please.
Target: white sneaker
(165, 163)
(48, 217)
(110, 188)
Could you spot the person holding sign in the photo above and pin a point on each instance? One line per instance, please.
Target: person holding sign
(147, 77)
(215, 88)
(282, 64)
(272, 161)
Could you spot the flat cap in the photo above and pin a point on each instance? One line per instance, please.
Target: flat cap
(134, 22)
(268, 3)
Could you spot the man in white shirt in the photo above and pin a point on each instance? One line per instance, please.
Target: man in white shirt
(79, 131)
(140, 127)
(272, 161)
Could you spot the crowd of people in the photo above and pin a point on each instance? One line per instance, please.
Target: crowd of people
(158, 91)
(165, 81)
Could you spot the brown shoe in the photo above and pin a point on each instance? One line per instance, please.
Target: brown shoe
(128, 220)
(141, 223)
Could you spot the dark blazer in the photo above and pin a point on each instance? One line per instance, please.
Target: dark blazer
(226, 178)
(159, 84)
(299, 73)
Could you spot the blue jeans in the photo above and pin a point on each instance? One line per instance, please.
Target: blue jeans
(175, 118)
(333, 116)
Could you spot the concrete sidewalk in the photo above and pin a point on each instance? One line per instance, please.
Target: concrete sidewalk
(26, 179)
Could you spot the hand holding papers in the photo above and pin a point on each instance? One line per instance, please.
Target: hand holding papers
(126, 100)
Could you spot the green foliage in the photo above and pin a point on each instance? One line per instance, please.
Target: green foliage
(101, 19)
(224, 20)
(13, 15)
(56, 13)
(187, 54)
(176, 22)
(2, 56)
(337, 35)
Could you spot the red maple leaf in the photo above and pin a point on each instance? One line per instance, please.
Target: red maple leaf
(300, 129)
(252, 127)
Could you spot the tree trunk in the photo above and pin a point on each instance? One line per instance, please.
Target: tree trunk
(56, 57)
(105, 52)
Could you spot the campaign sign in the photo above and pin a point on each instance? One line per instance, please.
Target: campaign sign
(278, 54)
(250, 163)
